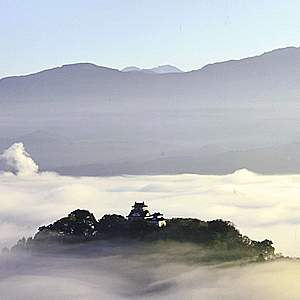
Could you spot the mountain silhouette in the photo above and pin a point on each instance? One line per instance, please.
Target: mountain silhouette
(142, 122)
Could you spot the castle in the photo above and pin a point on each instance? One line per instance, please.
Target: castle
(140, 211)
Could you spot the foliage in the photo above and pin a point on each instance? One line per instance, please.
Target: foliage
(221, 238)
(78, 224)
(141, 229)
(112, 225)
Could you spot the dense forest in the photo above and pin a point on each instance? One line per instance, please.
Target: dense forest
(220, 239)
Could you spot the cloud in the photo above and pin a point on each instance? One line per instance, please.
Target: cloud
(144, 273)
(261, 207)
(17, 158)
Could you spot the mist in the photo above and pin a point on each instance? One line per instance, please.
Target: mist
(261, 206)
(144, 273)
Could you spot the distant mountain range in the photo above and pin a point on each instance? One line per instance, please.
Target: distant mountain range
(96, 120)
(272, 75)
(283, 159)
(165, 69)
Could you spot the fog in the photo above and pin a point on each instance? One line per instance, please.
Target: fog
(261, 207)
(140, 274)
(226, 120)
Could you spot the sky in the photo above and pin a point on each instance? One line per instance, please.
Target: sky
(39, 34)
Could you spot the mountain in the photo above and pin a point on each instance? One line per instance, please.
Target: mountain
(131, 69)
(272, 75)
(51, 151)
(165, 69)
(283, 159)
(156, 123)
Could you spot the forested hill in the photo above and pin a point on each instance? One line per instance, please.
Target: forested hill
(220, 239)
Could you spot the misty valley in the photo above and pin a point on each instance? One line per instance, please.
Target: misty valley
(127, 258)
(209, 148)
(159, 256)
(121, 258)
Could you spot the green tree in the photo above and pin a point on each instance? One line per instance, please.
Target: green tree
(113, 225)
(141, 229)
(79, 223)
(265, 248)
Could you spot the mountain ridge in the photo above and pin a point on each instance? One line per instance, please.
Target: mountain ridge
(271, 52)
(224, 80)
(163, 69)
(143, 118)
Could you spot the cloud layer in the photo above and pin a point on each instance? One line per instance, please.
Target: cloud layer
(261, 207)
(144, 275)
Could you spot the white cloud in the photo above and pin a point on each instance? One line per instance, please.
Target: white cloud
(141, 274)
(19, 159)
(261, 207)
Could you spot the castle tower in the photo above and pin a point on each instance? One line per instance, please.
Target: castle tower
(139, 211)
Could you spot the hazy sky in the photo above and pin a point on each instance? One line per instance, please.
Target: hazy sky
(41, 34)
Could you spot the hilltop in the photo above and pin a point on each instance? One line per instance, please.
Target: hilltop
(165, 69)
(271, 74)
(218, 240)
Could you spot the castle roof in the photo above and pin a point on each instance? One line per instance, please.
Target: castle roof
(139, 211)
(139, 204)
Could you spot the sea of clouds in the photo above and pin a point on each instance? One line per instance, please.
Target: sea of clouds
(260, 206)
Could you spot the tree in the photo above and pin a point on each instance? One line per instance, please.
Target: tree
(141, 228)
(265, 248)
(80, 223)
(222, 226)
(113, 225)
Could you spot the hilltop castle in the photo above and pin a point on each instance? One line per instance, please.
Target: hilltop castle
(140, 211)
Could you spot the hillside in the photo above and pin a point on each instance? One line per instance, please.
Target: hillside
(220, 240)
(147, 123)
(262, 77)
